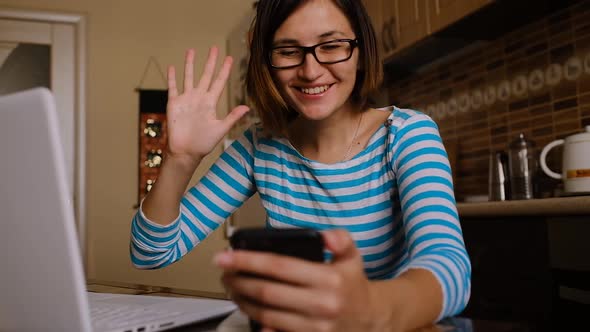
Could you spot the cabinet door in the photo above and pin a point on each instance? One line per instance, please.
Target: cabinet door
(374, 9)
(412, 21)
(390, 27)
(443, 13)
(511, 274)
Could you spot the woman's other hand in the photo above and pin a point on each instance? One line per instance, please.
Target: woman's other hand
(298, 295)
(193, 126)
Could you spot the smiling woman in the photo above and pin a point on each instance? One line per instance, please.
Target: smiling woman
(376, 182)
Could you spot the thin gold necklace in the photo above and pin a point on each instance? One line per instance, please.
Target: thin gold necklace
(345, 157)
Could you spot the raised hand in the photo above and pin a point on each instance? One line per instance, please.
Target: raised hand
(193, 126)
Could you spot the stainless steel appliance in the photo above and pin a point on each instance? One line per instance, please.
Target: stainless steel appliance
(522, 167)
(499, 185)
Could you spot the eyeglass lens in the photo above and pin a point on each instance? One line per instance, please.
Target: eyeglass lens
(325, 53)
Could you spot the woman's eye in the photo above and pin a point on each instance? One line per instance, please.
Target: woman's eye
(331, 47)
(288, 52)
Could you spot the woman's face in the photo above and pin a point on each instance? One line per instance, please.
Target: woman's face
(316, 90)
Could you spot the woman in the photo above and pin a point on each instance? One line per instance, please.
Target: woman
(377, 182)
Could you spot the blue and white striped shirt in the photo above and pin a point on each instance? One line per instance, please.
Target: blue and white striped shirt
(395, 198)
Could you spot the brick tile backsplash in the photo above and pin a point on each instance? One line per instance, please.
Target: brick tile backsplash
(535, 80)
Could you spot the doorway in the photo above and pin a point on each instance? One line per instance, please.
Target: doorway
(44, 49)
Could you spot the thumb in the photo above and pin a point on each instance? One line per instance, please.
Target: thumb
(341, 244)
(235, 115)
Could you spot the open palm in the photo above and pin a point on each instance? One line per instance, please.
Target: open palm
(193, 126)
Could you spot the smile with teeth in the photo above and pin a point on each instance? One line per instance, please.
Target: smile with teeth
(315, 91)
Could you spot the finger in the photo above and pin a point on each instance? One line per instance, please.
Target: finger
(341, 244)
(224, 276)
(235, 115)
(172, 91)
(308, 301)
(207, 75)
(219, 83)
(275, 319)
(281, 268)
(189, 69)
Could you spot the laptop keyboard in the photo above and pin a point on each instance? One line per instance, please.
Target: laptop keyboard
(109, 316)
(143, 313)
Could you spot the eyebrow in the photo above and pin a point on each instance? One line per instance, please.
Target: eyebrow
(288, 41)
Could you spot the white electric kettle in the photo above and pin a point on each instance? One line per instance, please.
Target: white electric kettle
(576, 162)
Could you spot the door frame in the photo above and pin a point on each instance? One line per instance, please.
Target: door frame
(79, 23)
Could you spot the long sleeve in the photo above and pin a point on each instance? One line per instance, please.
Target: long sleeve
(223, 189)
(431, 221)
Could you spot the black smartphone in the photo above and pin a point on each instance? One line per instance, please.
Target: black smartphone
(298, 242)
(303, 243)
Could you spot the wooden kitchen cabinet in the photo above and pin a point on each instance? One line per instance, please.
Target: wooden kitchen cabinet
(511, 276)
(442, 13)
(389, 28)
(399, 24)
(375, 11)
(411, 17)
(384, 15)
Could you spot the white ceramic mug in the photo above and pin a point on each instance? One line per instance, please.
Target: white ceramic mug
(575, 160)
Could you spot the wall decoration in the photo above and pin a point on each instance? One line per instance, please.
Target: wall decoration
(511, 88)
(452, 106)
(553, 74)
(504, 90)
(573, 68)
(536, 80)
(520, 86)
(476, 99)
(152, 135)
(464, 103)
(489, 97)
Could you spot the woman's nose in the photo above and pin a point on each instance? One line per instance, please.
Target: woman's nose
(311, 68)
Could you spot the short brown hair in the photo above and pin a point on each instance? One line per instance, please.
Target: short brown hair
(264, 95)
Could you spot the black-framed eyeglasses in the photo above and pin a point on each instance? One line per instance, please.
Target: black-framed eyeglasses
(326, 53)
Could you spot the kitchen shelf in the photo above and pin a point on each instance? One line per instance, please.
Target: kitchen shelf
(558, 206)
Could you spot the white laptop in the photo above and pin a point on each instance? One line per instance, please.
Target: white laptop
(42, 283)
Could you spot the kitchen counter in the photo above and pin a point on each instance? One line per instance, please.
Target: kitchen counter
(558, 206)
